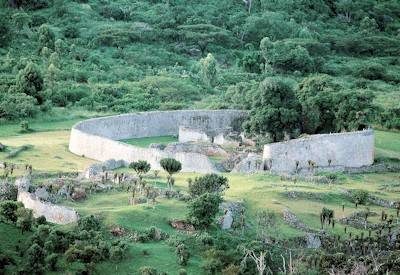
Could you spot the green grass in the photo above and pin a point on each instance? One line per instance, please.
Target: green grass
(145, 142)
(387, 144)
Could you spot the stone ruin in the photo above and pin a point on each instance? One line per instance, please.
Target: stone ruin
(99, 139)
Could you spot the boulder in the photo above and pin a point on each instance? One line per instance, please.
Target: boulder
(227, 220)
(23, 183)
(78, 194)
(313, 241)
(42, 194)
(250, 164)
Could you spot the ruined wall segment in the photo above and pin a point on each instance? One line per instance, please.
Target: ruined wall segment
(53, 213)
(98, 138)
(351, 149)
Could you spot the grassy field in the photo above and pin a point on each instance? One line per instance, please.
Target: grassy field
(145, 142)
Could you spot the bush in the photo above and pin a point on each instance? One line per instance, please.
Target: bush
(147, 270)
(8, 191)
(17, 105)
(360, 196)
(71, 32)
(209, 183)
(29, 4)
(202, 210)
(8, 210)
(5, 32)
(183, 254)
(391, 118)
(89, 223)
(372, 71)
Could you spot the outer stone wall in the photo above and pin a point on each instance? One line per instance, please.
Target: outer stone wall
(352, 149)
(98, 138)
(53, 213)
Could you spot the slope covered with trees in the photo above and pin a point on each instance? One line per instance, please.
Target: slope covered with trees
(337, 60)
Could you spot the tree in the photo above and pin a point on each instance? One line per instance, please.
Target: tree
(24, 219)
(274, 111)
(34, 260)
(5, 32)
(202, 210)
(30, 82)
(208, 69)
(141, 167)
(46, 37)
(210, 183)
(171, 166)
(287, 55)
(317, 95)
(17, 105)
(355, 110)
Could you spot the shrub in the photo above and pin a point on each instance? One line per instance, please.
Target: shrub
(34, 260)
(209, 183)
(391, 118)
(51, 261)
(24, 219)
(29, 4)
(8, 191)
(147, 270)
(17, 105)
(183, 254)
(372, 71)
(46, 37)
(5, 32)
(30, 82)
(89, 223)
(71, 31)
(202, 210)
(359, 196)
(8, 210)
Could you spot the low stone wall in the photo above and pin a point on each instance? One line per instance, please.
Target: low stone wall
(98, 138)
(352, 149)
(53, 213)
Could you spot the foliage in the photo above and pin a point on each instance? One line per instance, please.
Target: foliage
(17, 105)
(30, 82)
(8, 191)
(171, 166)
(210, 183)
(202, 210)
(208, 69)
(90, 222)
(8, 211)
(148, 270)
(359, 196)
(140, 167)
(275, 110)
(183, 254)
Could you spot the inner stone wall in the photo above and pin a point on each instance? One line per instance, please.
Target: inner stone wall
(352, 149)
(98, 138)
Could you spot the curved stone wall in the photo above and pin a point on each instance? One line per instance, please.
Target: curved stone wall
(98, 138)
(53, 213)
(352, 149)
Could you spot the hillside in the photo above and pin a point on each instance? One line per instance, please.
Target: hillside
(122, 56)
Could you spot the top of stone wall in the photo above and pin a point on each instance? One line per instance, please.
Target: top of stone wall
(365, 132)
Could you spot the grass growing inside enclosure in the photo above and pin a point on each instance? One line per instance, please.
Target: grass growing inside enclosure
(145, 142)
(387, 144)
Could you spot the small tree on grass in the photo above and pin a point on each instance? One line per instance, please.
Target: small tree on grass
(171, 166)
(208, 184)
(141, 167)
(202, 210)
